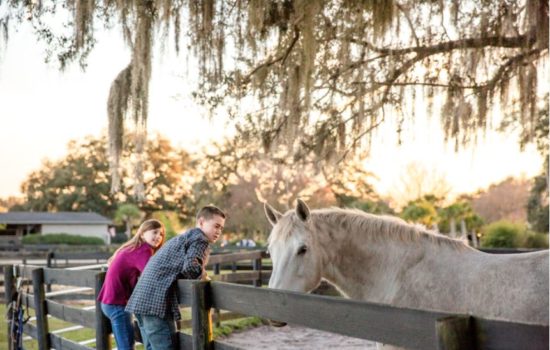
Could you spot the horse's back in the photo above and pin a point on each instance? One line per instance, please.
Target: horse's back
(515, 286)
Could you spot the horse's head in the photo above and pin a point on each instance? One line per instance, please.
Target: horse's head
(293, 249)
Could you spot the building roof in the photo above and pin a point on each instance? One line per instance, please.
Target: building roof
(27, 218)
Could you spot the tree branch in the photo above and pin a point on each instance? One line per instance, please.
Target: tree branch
(469, 43)
(281, 58)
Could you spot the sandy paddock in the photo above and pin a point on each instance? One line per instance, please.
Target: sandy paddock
(294, 337)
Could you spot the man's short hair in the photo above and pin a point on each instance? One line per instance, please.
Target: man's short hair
(207, 212)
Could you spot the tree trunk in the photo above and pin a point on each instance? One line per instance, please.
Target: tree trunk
(453, 228)
(128, 229)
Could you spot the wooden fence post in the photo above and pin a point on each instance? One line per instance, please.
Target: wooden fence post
(40, 309)
(49, 263)
(257, 266)
(200, 315)
(217, 311)
(9, 292)
(102, 324)
(455, 333)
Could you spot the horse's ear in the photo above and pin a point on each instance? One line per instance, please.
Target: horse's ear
(302, 210)
(272, 215)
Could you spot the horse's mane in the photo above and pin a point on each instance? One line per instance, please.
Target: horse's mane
(380, 227)
(375, 227)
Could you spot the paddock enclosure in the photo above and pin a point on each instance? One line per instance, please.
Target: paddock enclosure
(221, 298)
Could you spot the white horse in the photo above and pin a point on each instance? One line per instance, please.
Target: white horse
(382, 259)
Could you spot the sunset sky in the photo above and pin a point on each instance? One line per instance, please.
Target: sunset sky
(42, 109)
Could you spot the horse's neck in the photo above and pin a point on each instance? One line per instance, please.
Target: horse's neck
(377, 269)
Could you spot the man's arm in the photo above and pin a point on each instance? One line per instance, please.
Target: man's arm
(194, 259)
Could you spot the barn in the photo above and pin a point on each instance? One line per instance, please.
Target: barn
(18, 224)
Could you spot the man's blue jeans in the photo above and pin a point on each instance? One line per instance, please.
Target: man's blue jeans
(157, 333)
(121, 323)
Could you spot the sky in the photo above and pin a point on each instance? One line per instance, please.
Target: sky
(43, 108)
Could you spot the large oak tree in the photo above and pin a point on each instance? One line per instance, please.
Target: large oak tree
(318, 76)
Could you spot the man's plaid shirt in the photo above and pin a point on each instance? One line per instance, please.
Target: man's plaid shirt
(155, 293)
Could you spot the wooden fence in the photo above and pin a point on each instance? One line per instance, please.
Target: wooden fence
(46, 303)
(44, 306)
(414, 329)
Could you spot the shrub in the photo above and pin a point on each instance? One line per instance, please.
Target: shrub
(120, 237)
(536, 240)
(62, 238)
(503, 234)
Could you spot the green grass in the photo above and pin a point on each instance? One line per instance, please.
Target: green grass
(228, 327)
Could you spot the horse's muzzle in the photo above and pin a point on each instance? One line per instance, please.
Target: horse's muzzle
(276, 323)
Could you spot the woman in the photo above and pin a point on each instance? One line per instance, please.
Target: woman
(125, 266)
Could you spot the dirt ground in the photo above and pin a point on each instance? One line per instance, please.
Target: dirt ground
(294, 337)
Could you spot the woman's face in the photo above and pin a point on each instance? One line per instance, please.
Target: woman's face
(153, 237)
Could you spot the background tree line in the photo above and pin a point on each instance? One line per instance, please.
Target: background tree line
(235, 177)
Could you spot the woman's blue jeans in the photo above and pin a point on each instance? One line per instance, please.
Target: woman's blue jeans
(121, 323)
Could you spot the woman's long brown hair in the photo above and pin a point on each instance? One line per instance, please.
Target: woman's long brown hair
(136, 241)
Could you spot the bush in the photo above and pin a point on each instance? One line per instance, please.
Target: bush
(503, 234)
(536, 240)
(120, 237)
(62, 238)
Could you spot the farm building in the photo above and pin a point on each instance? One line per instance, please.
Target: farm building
(18, 224)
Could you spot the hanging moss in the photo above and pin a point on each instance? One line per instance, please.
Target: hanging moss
(326, 72)
(117, 106)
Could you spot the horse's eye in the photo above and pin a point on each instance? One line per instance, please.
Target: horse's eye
(302, 250)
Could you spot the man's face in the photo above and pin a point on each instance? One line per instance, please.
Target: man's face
(212, 227)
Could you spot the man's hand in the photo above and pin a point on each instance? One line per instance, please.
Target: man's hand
(204, 276)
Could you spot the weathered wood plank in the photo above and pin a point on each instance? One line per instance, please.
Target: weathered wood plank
(9, 297)
(81, 317)
(493, 335)
(60, 343)
(185, 341)
(222, 258)
(70, 278)
(455, 333)
(201, 323)
(237, 277)
(41, 310)
(184, 292)
(402, 327)
(30, 330)
(72, 296)
(102, 325)
(27, 300)
(25, 271)
(81, 256)
(257, 265)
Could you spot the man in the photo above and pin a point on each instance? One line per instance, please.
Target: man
(154, 299)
